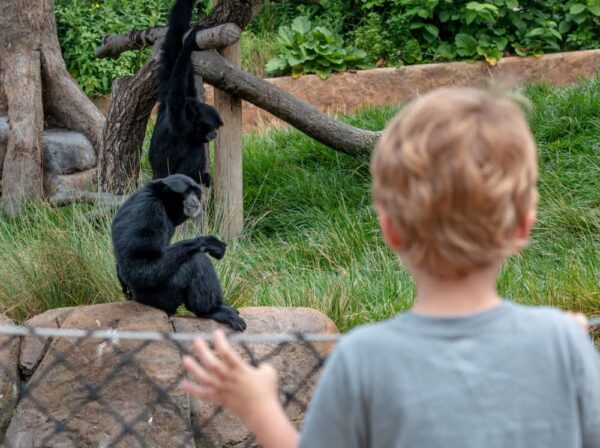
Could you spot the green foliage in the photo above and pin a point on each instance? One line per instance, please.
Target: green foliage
(413, 31)
(306, 49)
(312, 237)
(81, 25)
(389, 32)
(256, 51)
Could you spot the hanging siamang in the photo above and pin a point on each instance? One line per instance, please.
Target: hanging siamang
(155, 272)
(184, 124)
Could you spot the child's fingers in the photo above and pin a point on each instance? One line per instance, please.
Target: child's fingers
(208, 358)
(201, 375)
(226, 352)
(203, 393)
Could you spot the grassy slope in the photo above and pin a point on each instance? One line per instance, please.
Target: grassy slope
(312, 238)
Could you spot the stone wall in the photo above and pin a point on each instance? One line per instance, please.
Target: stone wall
(346, 92)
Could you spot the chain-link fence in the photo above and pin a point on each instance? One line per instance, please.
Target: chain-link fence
(77, 388)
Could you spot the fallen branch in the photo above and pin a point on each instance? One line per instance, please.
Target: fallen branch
(115, 44)
(67, 196)
(221, 74)
(216, 37)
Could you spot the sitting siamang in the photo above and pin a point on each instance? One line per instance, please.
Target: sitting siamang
(184, 124)
(154, 272)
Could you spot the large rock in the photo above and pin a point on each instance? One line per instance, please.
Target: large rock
(85, 180)
(9, 375)
(33, 347)
(297, 364)
(66, 152)
(99, 385)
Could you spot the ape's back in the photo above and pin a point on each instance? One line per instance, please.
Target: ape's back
(141, 226)
(172, 153)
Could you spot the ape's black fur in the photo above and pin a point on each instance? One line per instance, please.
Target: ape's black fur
(184, 124)
(153, 271)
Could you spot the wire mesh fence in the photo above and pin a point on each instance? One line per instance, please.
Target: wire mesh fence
(106, 388)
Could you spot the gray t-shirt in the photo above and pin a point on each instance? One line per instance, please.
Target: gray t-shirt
(510, 377)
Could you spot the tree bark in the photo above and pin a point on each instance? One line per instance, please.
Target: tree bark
(3, 100)
(30, 57)
(114, 44)
(132, 100)
(140, 90)
(221, 74)
(22, 175)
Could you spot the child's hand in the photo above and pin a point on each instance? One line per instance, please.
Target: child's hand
(229, 381)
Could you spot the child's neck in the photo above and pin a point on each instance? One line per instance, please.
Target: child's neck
(452, 297)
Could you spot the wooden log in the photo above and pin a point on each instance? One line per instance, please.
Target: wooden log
(340, 136)
(132, 100)
(228, 158)
(216, 37)
(229, 199)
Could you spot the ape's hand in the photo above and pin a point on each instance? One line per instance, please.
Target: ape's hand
(212, 246)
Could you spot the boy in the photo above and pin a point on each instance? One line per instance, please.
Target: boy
(454, 179)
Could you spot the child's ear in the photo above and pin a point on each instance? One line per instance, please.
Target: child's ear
(524, 228)
(391, 233)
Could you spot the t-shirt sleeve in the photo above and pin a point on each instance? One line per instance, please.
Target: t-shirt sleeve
(587, 377)
(334, 417)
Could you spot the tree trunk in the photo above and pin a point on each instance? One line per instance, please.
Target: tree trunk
(22, 175)
(132, 100)
(142, 88)
(35, 81)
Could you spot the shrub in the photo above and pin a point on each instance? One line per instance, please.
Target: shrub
(81, 25)
(306, 49)
(409, 31)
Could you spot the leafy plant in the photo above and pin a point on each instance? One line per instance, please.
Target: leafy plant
(81, 24)
(306, 49)
(396, 32)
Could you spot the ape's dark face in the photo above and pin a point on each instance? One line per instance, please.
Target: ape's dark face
(191, 204)
(181, 197)
(205, 121)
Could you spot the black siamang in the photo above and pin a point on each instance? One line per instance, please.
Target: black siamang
(154, 272)
(184, 124)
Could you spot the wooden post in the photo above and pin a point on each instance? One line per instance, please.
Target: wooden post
(228, 156)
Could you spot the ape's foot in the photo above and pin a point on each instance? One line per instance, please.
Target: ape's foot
(229, 316)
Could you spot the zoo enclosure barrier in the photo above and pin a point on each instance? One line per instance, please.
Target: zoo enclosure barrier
(107, 388)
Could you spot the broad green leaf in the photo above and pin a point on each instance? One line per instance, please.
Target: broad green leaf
(293, 60)
(275, 65)
(595, 9)
(323, 73)
(577, 8)
(466, 45)
(433, 30)
(301, 25)
(564, 27)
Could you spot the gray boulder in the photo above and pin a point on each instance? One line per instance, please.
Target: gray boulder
(9, 356)
(34, 347)
(296, 364)
(131, 375)
(66, 152)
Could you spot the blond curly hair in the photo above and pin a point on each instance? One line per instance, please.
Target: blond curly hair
(456, 170)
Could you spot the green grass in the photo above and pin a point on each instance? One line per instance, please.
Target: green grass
(311, 235)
